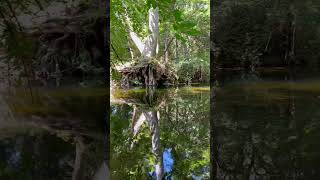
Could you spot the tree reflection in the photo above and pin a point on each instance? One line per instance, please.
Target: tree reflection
(42, 139)
(147, 112)
(171, 123)
(263, 131)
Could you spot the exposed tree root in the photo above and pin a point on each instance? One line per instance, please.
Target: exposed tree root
(150, 73)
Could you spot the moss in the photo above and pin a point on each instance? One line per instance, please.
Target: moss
(131, 93)
(139, 96)
(199, 89)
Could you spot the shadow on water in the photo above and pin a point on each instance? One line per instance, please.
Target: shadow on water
(55, 134)
(266, 127)
(160, 134)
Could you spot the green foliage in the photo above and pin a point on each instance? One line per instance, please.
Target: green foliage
(18, 44)
(250, 31)
(191, 70)
(183, 24)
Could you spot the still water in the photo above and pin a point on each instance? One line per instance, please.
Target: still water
(267, 127)
(52, 133)
(160, 134)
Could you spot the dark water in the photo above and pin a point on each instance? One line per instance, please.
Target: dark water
(267, 127)
(160, 133)
(52, 134)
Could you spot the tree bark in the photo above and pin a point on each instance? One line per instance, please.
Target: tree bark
(176, 51)
(147, 48)
(293, 25)
(150, 45)
(166, 47)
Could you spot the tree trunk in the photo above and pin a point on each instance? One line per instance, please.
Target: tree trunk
(58, 74)
(150, 46)
(151, 78)
(176, 51)
(166, 48)
(5, 112)
(292, 52)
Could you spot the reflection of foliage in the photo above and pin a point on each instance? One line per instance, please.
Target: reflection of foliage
(39, 155)
(42, 139)
(187, 118)
(136, 165)
(267, 130)
(183, 128)
(35, 157)
(92, 158)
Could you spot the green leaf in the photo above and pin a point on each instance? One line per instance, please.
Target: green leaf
(192, 32)
(177, 15)
(186, 24)
(181, 38)
(151, 3)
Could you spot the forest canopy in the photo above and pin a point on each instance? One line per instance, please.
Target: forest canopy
(272, 33)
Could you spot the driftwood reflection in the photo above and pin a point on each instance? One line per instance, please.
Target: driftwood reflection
(146, 110)
(165, 133)
(149, 114)
(82, 136)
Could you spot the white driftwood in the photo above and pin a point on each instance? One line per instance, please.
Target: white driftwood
(151, 43)
(148, 48)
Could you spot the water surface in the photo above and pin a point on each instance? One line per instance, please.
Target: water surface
(52, 133)
(267, 127)
(160, 133)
